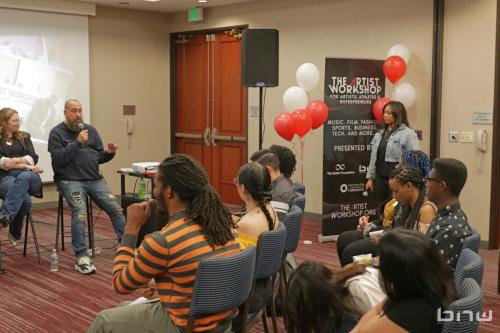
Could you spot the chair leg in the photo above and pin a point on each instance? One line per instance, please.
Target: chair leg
(35, 239)
(90, 225)
(264, 320)
(26, 227)
(273, 315)
(60, 214)
(2, 268)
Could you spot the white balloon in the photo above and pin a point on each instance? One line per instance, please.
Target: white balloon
(294, 98)
(404, 93)
(307, 76)
(400, 50)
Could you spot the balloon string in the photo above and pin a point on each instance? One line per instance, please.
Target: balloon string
(302, 143)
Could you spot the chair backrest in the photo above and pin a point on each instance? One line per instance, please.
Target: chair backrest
(270, 252)
(472, 241)
(299, 187)
(299, 199)
(293, 224)
(469, 265)
(465, 310)
(222, 283)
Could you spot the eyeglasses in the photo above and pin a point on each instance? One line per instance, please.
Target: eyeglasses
(235, 181)
(428, 179)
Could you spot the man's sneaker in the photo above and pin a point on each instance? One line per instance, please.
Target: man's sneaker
(13, 240)
(84, 265)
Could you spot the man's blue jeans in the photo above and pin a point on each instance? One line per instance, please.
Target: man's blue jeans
(75, 193)
(15, 191)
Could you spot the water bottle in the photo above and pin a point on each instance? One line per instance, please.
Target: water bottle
(54, 261)
(141, 189)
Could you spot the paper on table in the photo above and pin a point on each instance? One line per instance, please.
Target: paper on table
(143, 300)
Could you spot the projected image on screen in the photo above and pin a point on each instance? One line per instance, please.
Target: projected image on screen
(43, 62)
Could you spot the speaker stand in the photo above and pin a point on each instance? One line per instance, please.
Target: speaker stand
(261, 116)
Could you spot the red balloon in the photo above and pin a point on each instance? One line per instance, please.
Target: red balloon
(283, 126)
(319, 113)
(378, 108)
(394, 68)
(301, 122)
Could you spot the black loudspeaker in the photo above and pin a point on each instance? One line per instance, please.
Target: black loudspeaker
(259, 57)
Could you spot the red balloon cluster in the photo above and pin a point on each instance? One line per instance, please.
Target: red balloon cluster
(301, 121)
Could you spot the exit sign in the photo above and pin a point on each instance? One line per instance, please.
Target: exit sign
(195, 14)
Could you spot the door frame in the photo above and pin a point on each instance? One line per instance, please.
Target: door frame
(173, 66)
(495, 149)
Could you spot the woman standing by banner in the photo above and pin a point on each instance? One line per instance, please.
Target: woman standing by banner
(387, 147)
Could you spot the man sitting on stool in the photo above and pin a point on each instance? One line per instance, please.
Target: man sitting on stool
(76, 150)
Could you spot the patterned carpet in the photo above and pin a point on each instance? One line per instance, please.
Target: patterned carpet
(33, 299)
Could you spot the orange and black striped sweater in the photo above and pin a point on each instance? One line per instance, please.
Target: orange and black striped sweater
(170, 256)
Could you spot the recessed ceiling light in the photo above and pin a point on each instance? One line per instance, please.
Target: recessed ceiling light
(202, 1)
(151, 0)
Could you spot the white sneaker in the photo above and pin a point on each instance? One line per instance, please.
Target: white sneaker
(84, 265)
(12, 239)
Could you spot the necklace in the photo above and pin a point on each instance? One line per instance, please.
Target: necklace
(8, 141)
(253, 209)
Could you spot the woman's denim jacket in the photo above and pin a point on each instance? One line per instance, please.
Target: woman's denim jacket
(403, 139)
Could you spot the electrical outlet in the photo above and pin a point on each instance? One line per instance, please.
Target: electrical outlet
(453, 137)
(467, 137)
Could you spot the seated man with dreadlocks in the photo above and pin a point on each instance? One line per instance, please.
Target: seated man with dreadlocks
(199, 227)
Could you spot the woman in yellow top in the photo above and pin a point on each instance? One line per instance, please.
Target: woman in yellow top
(254, 187)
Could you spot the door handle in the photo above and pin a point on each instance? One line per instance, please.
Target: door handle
(239, 138)
(213, 135)
(187, 135)
(206, 134)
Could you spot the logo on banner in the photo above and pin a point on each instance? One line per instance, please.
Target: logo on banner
(356, 90)
(351, 188)
(362, 169)
(340, 167)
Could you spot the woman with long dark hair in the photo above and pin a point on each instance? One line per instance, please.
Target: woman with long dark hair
(408, 187)
(355, 242)
(317, 301)
(254, 187)
(19, 173)
(417, 282)
(387, 147)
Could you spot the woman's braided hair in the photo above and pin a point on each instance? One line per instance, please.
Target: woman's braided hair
(189, 180)
(257, 182)
(409, 216)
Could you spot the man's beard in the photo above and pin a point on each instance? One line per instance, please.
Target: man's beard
(73, 126)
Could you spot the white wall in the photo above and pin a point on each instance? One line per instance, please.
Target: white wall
(468, 82)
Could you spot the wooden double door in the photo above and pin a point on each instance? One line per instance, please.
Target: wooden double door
(210, 106)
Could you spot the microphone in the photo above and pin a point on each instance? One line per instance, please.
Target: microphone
(80, 127)
(365, 193)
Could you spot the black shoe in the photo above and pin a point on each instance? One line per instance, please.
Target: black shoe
(5, 220)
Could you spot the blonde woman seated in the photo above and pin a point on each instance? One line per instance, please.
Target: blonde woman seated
(254, 187)
(19, 174)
